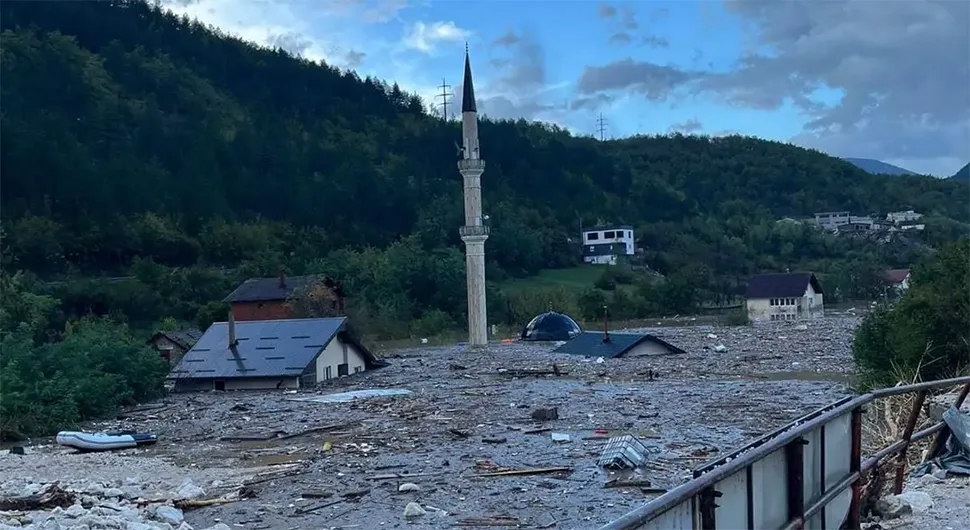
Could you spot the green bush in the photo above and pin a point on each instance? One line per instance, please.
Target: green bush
(925, 333)
(736, 318)
(97, 368)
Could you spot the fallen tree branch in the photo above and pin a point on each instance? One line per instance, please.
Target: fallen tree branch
(53, 496)
(520, 472)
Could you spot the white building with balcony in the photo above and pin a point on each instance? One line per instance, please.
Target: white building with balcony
(602, 245)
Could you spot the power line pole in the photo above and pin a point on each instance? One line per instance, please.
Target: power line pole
(444, 95)
(601, 127)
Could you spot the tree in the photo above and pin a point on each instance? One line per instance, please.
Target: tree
(925, 334)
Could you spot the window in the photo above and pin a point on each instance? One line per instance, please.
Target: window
(342, 369)
(328, 373)
(609, 235)
(629, 233)
(358, 369)
(592, 236)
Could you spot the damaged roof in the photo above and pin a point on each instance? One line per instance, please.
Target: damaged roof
(185, 339)
(897, 275)
(265, 348)
(277, 288)
(591, 344)
(783, 285)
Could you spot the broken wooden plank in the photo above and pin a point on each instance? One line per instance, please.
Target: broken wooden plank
(521, 472)
(312, 430)
(315, 507)
(392, 476)
(250, 436)
(316, 494)
(627, 483)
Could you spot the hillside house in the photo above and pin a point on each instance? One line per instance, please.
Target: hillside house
(268, 354)
(907, 216)
(602, 245)
(172, 345)
(266, 298)
(898, 279)
(786, 296)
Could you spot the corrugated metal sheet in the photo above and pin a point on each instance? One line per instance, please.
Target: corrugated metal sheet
(266, 348)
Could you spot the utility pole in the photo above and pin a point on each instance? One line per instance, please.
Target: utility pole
(601, 126)
(444, 95)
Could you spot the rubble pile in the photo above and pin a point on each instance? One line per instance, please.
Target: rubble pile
(82, 505)
(510, 435)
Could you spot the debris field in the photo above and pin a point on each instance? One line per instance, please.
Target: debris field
(504, 437)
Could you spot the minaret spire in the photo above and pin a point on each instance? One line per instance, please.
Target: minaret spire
(467, 87)
(475, 231)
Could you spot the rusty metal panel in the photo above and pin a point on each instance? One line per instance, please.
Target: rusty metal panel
(838, 448)
(681, 517)
(732, 506)
(770, 481)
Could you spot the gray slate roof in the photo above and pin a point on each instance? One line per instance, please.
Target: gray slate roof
(590, 344)
(785, 285)
(185, 338)
(266, 348)
(269, 289)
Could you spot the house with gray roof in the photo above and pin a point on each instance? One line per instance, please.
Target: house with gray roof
(609, 345)
(784, 297)
(272, 354)
(266, 298)
(172, 345)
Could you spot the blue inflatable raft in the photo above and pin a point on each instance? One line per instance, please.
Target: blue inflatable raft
(88, 441)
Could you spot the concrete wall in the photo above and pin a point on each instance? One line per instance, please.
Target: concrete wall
(168, 349)
(238, 383)
(272, 310)
(336, 353)
(601, 260)
(646, 348)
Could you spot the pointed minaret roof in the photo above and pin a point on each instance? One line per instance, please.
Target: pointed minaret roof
(468, 88)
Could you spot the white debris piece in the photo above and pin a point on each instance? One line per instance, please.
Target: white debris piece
(414, 509)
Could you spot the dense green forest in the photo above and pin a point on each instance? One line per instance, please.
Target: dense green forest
(137, 144)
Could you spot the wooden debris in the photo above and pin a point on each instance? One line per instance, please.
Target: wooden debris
(250, 436)
(355, 493)
(393, 476)
(494, 440)
(51, 497)
(489, 521)
(531, 471)
(316, 507)
(627, 483)
(189, 504)
(653, 491)
(312, 430)
(460, 434)
(537, 431)
(316, 494)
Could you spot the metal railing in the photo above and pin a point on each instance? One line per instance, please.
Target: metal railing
(808, 474)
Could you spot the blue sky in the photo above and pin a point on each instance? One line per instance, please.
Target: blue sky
(862, 79)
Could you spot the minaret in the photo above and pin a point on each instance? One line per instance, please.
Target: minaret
(474, 232)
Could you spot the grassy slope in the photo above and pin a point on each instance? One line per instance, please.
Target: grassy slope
(582, 277)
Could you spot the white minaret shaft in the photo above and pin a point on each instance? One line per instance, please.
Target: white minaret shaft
(474, 232)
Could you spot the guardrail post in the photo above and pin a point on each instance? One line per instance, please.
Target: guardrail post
(853, 520)
(795, 480)
(945, 432)
(708, 505)
(901, 456)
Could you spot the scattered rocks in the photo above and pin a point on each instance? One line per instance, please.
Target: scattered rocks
(413, 510)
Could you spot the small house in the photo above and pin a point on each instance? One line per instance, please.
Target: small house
(898, 279)
(609, 345)
(602, 245)
(266, 298)
(267, 354)
(786, 296)
(172, 345)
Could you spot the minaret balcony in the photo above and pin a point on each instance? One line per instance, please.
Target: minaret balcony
(473, 231)
(471, 163)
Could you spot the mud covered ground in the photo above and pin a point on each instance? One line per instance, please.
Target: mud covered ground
(468, 414)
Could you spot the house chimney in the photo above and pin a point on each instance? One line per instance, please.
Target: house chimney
(232, 331)
(282, 278)
(606, 325)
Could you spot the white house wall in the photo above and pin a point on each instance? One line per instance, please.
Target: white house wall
(647, 348)
(336, 353)
(812, 305)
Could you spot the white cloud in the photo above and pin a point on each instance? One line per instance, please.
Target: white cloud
(425, 37)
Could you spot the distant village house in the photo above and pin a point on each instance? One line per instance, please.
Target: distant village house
(787, 296)
(272, 354)
(898, 279)
(267, 298)
(172, 345)
(604, 244)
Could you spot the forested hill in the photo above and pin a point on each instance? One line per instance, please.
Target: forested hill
(130, 133)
